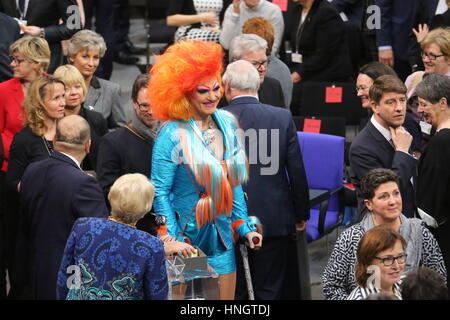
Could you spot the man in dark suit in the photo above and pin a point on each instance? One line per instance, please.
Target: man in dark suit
(253, 48)
(394, 35)
(385, 143)
(10, 33)
(277, 189)
(54, 193)
(43, 21)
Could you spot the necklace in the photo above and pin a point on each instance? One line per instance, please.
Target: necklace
(48, 145)
(208, 134)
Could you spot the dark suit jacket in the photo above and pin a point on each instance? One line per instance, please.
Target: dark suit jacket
(280, 198)
(10, 33)
(322, 42)
(371, 150)
(99, 127)
(353, 9)
(54, 193)
(397, 18)
(46, 14)
(441, 20)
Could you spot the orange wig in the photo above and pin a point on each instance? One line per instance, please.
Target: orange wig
(176, 74)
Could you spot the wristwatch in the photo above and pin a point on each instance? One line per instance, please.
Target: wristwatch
(42, 33)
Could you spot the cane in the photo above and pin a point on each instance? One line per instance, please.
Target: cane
(248, 276)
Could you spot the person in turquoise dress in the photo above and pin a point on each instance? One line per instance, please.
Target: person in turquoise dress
(109, 259)
(198, 163)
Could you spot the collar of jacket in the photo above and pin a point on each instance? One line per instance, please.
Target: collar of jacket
(95, 83)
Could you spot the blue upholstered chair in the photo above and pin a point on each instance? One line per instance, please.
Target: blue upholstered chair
(323, 157)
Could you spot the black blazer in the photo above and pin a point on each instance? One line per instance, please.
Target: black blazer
(322, 42)
(270, 92)
(10, 33)
(371, 150)
(280, 196)
(46, 14)
(54, 193)
(99, 127)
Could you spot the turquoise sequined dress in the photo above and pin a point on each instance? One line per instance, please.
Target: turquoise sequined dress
(177, 191)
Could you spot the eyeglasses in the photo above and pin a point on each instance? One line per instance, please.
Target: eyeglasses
(431, 56)
(143, 106)
(358, 89)
(389, 261)
(17, 60)
(259, 64)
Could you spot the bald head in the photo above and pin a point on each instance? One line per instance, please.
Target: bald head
(72, 134)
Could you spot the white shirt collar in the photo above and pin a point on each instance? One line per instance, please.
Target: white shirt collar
(385, 132)
(72, 158)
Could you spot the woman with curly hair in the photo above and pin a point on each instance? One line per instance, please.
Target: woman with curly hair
(43, 106)
(198, 163)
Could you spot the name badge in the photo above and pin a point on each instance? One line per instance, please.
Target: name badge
(297, 57)
(425, 127)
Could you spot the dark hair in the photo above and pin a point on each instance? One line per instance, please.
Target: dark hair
(140, 82)
(374, 178)
(424, 284)
(434, 87)
(374, 241)
(376, 69)
(381, 296)
(384, 84)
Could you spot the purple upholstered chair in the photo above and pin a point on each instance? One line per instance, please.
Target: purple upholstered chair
(323, 157)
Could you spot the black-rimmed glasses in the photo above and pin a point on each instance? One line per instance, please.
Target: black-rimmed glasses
(389, 261)
(431, 56)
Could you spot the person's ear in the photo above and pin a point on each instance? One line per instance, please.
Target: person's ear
(87, 146)
(373, 106)
(368, 204)
(443, 104)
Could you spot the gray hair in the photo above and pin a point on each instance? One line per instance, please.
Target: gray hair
(244, 43)
(434, 87)
(242, 75)
(86, 40)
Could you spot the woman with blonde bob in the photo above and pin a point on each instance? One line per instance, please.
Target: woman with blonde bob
(117, 261)
(198, 164)
(381, 253)
(75, 95)
(30, 59)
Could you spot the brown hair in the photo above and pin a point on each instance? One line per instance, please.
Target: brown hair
(262, 28)
(140, 82)
(374, 241)
(384, 84)
(375, 178)
(34, 105)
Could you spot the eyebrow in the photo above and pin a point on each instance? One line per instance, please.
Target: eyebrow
(203, 87)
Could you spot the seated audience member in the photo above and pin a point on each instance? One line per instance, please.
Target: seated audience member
(253, 48)
(276, 68)
(318, 41)
(434, 170)
(424, 284)
(84, 52)
(240, 11)
(133, 261)
(384, 142)
(75, 95)
(367, 75)
(380, 253)
(54, 193)
(197, 20)
(380, 188)
(436, 59)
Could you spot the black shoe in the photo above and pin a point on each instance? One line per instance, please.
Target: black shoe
(124, 57)
(131, 48)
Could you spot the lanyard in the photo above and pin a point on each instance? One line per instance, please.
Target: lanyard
(25, 9)
(299, 31)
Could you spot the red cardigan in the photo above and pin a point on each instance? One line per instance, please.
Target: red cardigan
(11, 117)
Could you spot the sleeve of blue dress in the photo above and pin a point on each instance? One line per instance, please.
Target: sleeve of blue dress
(156, 286)
(240, 212)
(66, 261)
(163, 175)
